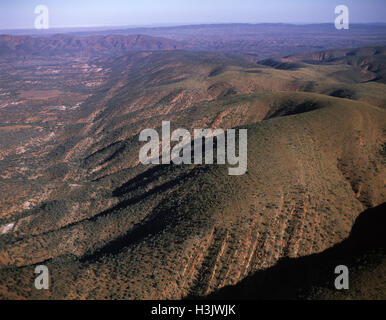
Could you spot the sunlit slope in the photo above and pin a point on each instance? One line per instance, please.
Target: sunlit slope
(79, 201)
(167, 84)
(174, 231)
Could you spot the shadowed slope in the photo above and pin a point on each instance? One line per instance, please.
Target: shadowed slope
(73, 195)
(201, 230)
(313, 276)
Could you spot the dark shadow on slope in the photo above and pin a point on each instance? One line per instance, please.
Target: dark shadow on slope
(153, 224)
(217, 71)
(289, 66)
(152, 175)
(139, 232)
(295, 278)
(291, 108)
(343, 93)
(376, 79)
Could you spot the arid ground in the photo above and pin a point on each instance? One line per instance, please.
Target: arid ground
(75, 197)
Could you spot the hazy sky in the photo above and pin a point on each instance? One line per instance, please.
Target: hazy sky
(70, 13)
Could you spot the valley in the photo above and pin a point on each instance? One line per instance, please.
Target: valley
(75, 197)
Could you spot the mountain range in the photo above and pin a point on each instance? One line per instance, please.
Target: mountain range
(75, 197)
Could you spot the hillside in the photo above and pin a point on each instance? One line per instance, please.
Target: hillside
(74, 196)
(82, 47)
(367, 63)
(263, 40)
(310, 277)
(254, 41)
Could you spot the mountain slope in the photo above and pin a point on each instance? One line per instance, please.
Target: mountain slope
(313, 276)
(82, 47)
(204, 229)
(74, 197)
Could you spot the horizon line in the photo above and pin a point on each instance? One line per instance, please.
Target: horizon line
(177, 25)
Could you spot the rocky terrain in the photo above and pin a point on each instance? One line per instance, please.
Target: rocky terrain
(81, 47)
(253, 41)
(75, 197)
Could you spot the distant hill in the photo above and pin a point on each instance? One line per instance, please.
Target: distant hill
(74, 197)
(255, 41)
(369, 62)
(85, 47)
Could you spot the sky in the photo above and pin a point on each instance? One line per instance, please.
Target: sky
(17, 14)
